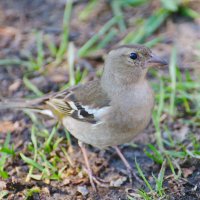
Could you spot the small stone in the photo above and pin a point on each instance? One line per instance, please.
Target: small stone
(118, 182)
(82, 190)
(2, 185)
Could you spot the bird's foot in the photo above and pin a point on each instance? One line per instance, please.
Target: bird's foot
(93, 180)
(97, 181)
(101, 182)
(133, 176)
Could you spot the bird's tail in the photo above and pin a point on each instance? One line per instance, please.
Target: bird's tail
(37, 105)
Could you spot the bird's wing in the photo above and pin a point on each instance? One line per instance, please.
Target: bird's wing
(85, 102)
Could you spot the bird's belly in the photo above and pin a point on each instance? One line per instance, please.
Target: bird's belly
(92, 134)
(103, 135)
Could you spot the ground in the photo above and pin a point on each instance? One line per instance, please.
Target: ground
(39, 159)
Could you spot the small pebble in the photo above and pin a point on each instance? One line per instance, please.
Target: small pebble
(82, 190)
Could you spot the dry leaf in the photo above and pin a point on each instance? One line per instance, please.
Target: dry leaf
(187, 171)
(8, 126)
(13, 87)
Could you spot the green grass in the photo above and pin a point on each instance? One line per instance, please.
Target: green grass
(65, 34)
(157, 115)
(30, 192)
(44, 144)
(71, 58)
(158, 192)
(172, 71)
(85, 13)
(3, 194)
(143, 176)
(117, 11)
(175, 98)
(33, 88)
(87, 47)
(6, 151)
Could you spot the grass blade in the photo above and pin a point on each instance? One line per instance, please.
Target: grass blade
(32, 87)
(160, 179)
(65, 35)
(142, 176)
(156, 116)
(171, 5)
(34, 141)
(71, 58)
(109, 37)
(116, 8)
(188, 12)
(11, 62)
(148, 27)
(134, 2)
(155, 41)
(172, 71)
(31, 162)
(87, 10)
(47, 144)
(83, 51)
(40, 50)
(4, 156)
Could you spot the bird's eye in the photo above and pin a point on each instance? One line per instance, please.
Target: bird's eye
(133, 56)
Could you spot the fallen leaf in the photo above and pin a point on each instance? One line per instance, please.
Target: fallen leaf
(187, 171)
(65, 182)
(8, 126)
(78, 181)
(13, 87)
(58, 78)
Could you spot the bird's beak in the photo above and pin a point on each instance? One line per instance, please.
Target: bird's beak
(156, 61)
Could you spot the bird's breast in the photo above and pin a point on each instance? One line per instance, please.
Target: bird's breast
(132, 109)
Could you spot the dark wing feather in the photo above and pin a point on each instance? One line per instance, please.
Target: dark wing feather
(79, 101)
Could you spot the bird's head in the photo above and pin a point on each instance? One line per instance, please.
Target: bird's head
(131, 62)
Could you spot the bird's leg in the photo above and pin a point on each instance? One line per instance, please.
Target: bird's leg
(132, 174)
(92, 178)
(89, 170)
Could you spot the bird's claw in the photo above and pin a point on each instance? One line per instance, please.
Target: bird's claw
(133, 176)
(97, 181)
(101, 182)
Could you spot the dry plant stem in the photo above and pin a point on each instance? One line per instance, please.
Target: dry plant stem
(131, 173)
(89, 170)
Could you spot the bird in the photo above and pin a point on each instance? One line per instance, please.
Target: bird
(106, 112)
